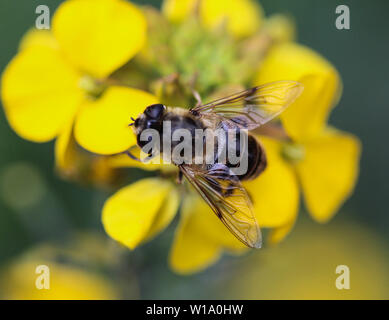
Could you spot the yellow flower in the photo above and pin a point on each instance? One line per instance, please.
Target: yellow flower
(66, 283)
(70, 273)
(324, 160)
(59, 78)
(241, 17)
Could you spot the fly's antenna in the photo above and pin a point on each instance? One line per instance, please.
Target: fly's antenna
(132, 123)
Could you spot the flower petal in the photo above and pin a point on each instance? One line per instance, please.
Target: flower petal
(73, 163)
(102, 125)
(274, 193)
(66, 282)
(65, 153)
(99, 36)
(243, 17)
(192, 251)
(165, 214)
(129, 215)
(280, 27)
(40, 93)
(328, 172)
(36, 37)
(307, 116)
(278, 234)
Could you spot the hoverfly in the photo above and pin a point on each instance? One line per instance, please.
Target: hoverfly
(217, 185)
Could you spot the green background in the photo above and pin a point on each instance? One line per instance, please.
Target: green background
(361, 56)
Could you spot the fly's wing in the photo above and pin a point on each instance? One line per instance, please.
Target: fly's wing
(253, 107)
(228, 199)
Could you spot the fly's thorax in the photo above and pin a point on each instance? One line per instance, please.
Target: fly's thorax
(179, 134)
(180, 118)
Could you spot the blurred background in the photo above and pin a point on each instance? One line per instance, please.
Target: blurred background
(303, 266)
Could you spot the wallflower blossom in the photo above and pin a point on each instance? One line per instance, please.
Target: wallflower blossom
(66, 272)
(67, 283)
(200, 238)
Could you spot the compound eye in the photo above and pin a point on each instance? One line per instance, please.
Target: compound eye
(155, 111)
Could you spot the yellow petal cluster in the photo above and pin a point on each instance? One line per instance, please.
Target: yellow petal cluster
(319, 162)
